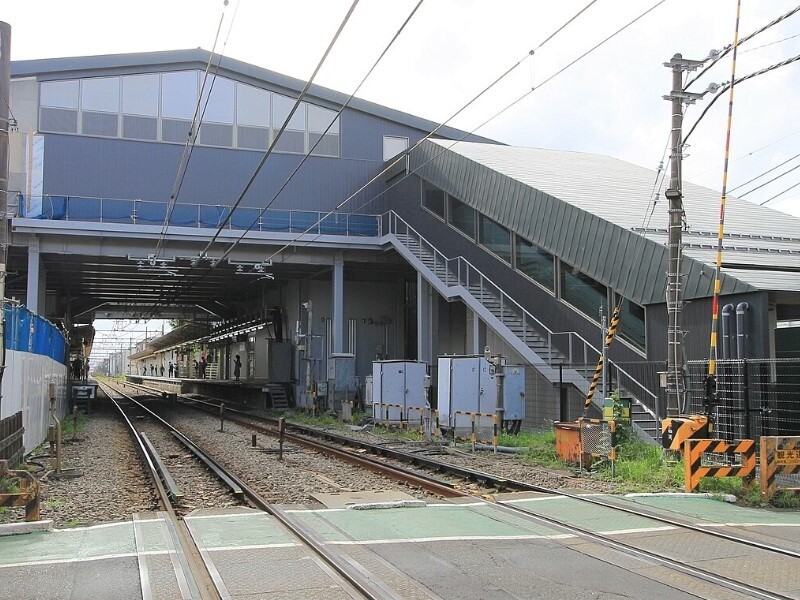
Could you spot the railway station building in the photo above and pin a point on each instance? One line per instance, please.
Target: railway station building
(385, 244)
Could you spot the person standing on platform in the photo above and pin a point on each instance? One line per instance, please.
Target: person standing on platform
(171, 369)
(203, 366)
(162, 369)
(237, 367)
(196, 368)
(152, 370)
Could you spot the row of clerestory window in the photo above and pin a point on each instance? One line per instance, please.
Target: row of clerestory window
(161, 107)
(564, 281)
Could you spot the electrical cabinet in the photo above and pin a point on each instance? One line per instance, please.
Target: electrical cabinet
(397, 387)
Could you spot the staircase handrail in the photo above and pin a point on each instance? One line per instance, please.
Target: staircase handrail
(588, 347)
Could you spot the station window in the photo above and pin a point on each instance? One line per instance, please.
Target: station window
(60, 94)
(100, 94)
(140, 95)
(461, 216)
(160, 107)
(535, 263)
(393, 145)
(632, 324)
(433, 199)
(252, 106)
(583, 292)
(495, 237)
(179, 95)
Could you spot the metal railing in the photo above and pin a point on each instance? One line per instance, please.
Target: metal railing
(147, 212)
(554, 347)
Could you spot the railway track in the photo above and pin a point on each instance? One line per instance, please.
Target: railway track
(202, 582)
(339, 444)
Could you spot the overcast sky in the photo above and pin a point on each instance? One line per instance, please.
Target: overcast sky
(609, 103)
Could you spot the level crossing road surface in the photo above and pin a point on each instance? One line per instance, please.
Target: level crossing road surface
(464, 549)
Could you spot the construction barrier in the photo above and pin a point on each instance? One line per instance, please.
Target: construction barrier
(598, 439)
(396, 415)
(479, 428)
(694, 450)
(779, 456)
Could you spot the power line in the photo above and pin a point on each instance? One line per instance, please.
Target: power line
(746, 38)
(771, 43)
(765, 173)
(269, 150)
(407, 152)
(311, 150)
(194, 128)
(282, 129)
(770, 181)
(727, 86)
(791, 187)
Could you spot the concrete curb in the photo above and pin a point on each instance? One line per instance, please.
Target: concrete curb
(724, 497)
(21, 528)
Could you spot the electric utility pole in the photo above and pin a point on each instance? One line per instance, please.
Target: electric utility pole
(676, 359)
(5, 123)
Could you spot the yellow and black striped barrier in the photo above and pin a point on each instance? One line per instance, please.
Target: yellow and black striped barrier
(693, 451)
(612, 330)
(676, 430)
(473, 426)
(779, 455)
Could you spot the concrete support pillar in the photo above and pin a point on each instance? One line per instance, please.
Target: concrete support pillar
(426, 296)
(37, 288)
(338, 304)
(476, 333)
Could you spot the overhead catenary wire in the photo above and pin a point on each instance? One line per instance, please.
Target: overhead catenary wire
(293, 110)
(744, 39)
(728, 86)
(791, 37)
(779, 194)
(195, 125)
(766, 183)
(321, 137)
(295, 242)
(216, 261)
(767, 172)
(402, 156)
(275, 140)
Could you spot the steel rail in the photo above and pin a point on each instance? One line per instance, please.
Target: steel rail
(173, 489)
(507, 484)
(195, 569)
(344, 566)
(694, 571)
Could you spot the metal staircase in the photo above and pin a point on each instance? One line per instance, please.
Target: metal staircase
(544, 349)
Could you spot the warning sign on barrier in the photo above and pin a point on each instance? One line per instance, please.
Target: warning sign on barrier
(780, 458)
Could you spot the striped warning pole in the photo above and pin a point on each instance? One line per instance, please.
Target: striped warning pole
(612, 330)
(712, 361)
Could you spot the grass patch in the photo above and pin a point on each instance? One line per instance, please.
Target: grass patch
(68, 422)
(786, 499)
(541, 447)
(73, 523)
(56, 502)
(9, 485)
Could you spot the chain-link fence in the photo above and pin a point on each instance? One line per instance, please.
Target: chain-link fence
(755, 397)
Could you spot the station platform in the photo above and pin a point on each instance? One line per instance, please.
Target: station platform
(255, 393)
(462, 549)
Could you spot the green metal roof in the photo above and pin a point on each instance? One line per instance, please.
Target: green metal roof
(591, 211)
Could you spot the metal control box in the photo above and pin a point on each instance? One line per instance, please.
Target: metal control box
(398, 388)
(341, 379)
(469, 384)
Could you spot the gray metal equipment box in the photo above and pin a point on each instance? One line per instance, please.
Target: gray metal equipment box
(398, 386)
(279, 361)
(468, 384)
(341, 378)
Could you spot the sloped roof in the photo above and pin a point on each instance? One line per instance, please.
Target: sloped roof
(590, 210)
(116, 64)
